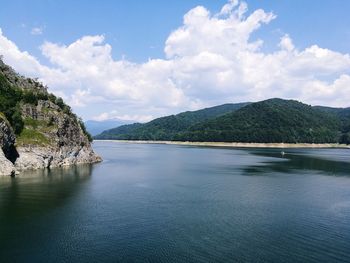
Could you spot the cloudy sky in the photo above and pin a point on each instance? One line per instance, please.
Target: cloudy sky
(137, 61)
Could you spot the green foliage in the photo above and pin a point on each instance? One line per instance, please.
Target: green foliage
(273, 121)
(67, 110)
(11, 99)
(35, 124)
(32, 137)
(29, 97)
(167, 128)
(17, 121)
(119, 132)
(34, 132)
(42, 96)
(345, 138)
(60, 103)
(52, 98)
(82, 126)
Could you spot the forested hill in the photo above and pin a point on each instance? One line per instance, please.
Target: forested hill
(167, 128)
(274, 121)
(269, 121)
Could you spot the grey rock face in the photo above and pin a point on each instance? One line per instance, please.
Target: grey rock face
(54, 135)
(18, 80)
(68, 144)
(6, 167)
(7, 139)
(44, 157)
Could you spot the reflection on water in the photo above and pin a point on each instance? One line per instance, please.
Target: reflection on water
(29, 206)
(168, 203)
(39, 191)
(293, 160)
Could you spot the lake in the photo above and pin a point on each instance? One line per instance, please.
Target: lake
(170, 203)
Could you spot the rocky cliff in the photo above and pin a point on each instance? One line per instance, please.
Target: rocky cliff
(7, 140)
(37, 129)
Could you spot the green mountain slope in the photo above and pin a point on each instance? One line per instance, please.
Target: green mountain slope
(269, 121)
(167, 128)
(344, 116)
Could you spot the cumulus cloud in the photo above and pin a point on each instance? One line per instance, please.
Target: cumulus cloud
(210, 59)
(23, 62)
(223, 34)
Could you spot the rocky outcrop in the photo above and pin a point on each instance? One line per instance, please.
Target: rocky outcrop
(51, 134)
(18, 80)
(65, 141)
(49, 157)
(6, 167)
(7, 140)
(7, 137)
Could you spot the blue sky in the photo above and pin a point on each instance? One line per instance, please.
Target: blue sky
(137, 32)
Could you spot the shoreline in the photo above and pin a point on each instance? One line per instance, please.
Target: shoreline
(239, 144)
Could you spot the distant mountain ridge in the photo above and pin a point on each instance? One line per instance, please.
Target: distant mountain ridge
(96, 127)
(270, 121)
(166, 128)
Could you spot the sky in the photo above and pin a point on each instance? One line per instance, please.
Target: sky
(138, 60)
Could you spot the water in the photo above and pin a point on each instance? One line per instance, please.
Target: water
(168, 203)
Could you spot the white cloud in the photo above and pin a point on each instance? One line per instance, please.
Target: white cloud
(23, 62)
(203, 32)
(210, 59)
(227, 8)
(115, 115)
(286, 43)
(37, 31)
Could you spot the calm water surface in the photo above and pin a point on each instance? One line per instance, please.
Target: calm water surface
(168, 203)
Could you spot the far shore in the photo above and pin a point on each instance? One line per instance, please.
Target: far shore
(239, 144)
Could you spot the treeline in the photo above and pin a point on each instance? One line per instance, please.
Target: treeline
(273, 121)
(167, 128)
(344, 116)
(270, 121)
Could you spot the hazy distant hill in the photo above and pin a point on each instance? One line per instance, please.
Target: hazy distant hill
(273, 120)
(96, 127)
(165, 128)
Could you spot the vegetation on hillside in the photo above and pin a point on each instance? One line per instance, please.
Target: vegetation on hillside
(270, 121)
(35, 132)
(274, 121)
(32, 137)
(167, 128)
(11, 98)
(344, 116)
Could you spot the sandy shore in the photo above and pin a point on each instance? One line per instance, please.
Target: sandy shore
(241, 145)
